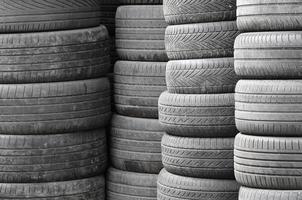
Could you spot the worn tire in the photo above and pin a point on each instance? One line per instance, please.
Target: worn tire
(201, 76)
(123, 185)
(269, 107)
(198, 157)
(53, 108)
(135, 144)
(203, 40)
(175, 187)
(144, 2)
(199, 11)
(269, 55)
(197, 115)
(137, 86)
(259, 194)
(140, 33)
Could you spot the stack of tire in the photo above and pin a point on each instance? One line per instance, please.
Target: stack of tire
(197, 110)
(268, 151)
(139, 79)
(54, 103)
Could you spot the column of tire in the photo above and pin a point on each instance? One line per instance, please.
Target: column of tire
(197, 110)
(54, 100)
(139, 79)
(268, 154)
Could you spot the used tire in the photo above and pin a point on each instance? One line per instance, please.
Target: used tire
(53, 108)
(144, 2)
(198, 11)
(269, 15)
(174, 187)
(269, 107)
(122, 185)
(135, 144)
(203, 40)
(259, 194)
(268, 162)
(201, 76)
(198, 157)
(140, 33)
(197, 115)
(54, 56)
(137, 87)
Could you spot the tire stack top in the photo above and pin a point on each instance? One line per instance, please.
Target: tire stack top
(197, 110)
(54, 100)
(269, 99)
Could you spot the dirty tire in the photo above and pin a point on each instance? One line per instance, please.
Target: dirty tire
(268, 162)
(138, 2)
(258, 194)
(140, 33)
(175, 187)
(198, 157)
(108, 10)
(269, 55)
(44, 15)
(53, 108)
(269, 107)
(137, 86)
(269, 15)
(199, 11)
(199, 76)
(88, 189)
(135, 144)
(203, 40)
(122, 185)
(197, 115)
(54, 56)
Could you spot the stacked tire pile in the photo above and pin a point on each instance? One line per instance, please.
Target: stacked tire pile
(54, 102)
(197, 110)
(269, 100)
(139, 79)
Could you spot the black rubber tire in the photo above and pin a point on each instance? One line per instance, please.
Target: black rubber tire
(260, 194)
(269, 55)
(269, 107)
(198, 115)
(108, 11)
(53, 108)
(175, 187)
(215, 75)
(135, 144)
(140, 33)
(268, 162)
(198, 157)
(199, 11)
(137, 87)
(203, 40)
(45, 15)
(138, 2)
(54, 56)
(88, 189)
(269, 15)
(123, 185)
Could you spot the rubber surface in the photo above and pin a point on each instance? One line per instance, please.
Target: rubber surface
(269, 107)
(258, 194)
(197, 115)
(135, 144)
(144, 2)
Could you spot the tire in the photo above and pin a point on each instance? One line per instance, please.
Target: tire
(269, 15)
(135, 144)
(268, 162)
(198, 157)
(269, 107)
(108, 10)
(122, 185)
(54, 56)
(53, 108)
(204, 40)
(137, 87)
(197, 115)
(144, 2)
(269, 55)
(174, 187)
(197, 11)
(140, 33)
(208, 76)
(258, 194)
(88, 189)
(44, 15)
